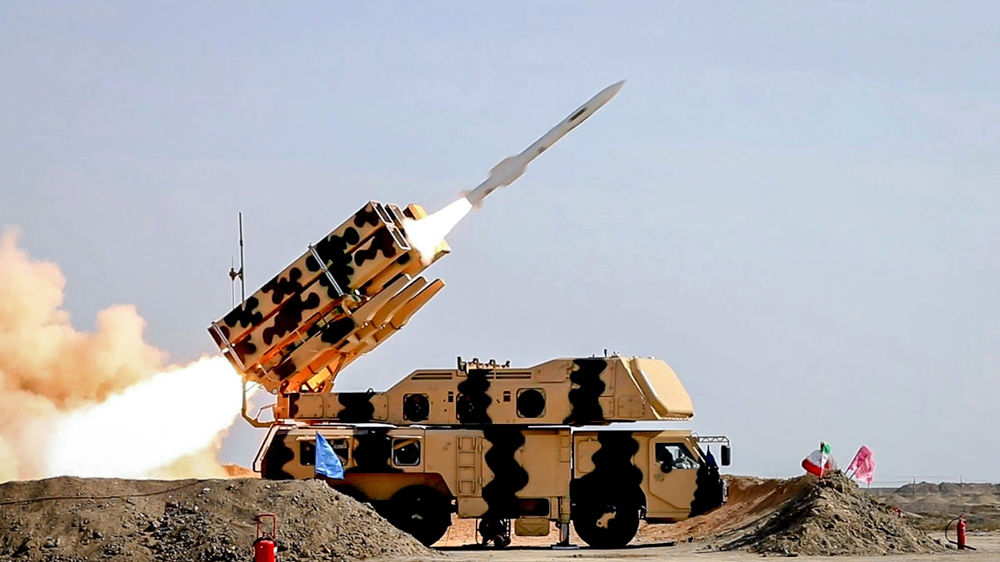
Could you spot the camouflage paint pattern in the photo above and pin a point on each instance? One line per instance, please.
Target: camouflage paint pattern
(299, 329)
(496, 442)
(518, 466)
(582, 391)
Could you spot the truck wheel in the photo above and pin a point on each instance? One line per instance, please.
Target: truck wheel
(420, 511)
(605, 521)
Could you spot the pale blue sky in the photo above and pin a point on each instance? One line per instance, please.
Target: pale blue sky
(793, 203)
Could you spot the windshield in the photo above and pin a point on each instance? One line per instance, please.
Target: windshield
(676, 455)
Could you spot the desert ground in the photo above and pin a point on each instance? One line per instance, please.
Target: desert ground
(925, 507)
(79, 520)
(987, 545)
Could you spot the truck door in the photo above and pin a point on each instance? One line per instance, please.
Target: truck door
(673, 471)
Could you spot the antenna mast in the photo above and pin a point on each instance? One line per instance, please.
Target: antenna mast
(233, 274)
(232, 285)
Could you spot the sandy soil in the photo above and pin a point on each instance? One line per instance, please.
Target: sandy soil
(988, 546)
(81, 519)
(803, 516)
(749, 498)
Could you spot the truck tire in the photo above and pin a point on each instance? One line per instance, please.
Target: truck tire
(420, 511)
(605, 520)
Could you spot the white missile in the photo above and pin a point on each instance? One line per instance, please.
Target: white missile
(511, 168)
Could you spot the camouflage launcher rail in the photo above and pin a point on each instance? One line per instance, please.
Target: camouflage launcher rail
(349, 293)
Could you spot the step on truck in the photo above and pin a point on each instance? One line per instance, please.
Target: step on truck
(586, 442)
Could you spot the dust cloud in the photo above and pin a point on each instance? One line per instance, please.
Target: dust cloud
(100, 403)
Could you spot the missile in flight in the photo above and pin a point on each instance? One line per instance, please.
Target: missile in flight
(511, 168)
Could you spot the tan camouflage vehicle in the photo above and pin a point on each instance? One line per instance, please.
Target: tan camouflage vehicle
(556, 442)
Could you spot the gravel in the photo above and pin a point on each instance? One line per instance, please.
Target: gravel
(84, 519)
(832, 516)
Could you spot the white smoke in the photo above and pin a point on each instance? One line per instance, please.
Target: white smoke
(101, 403)
(426, 234)
(149, 425)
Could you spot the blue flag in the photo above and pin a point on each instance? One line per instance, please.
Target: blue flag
(709, 459)
(327, 462)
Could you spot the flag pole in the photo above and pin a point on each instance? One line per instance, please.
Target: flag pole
(853, 472)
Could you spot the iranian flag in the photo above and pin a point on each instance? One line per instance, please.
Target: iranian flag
(819, 461)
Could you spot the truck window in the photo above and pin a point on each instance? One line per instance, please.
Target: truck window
(682, 458)
(307, 451)
(405, 451)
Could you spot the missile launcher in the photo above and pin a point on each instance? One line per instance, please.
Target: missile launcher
(504, 445)
(343, 297)
(513, 447)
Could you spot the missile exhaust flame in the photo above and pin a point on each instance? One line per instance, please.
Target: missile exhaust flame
(427, 233)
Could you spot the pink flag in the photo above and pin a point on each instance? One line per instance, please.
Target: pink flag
(863, 465)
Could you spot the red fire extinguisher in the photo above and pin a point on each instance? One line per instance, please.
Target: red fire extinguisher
(960, 530)
(265, 546)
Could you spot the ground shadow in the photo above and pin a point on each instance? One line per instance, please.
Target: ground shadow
(479, 547)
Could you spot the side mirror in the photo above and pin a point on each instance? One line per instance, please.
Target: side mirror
(726, 455)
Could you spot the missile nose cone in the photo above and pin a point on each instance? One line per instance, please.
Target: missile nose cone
(615, 87)
(606, 94)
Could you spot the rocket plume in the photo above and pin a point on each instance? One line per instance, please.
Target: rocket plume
(163, 423)
(426, 234)
(101, 403)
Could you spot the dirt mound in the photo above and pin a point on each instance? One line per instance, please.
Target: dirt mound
(750, 499)
(83, 519)
(832, 516)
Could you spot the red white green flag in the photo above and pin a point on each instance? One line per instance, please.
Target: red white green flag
(819, 461)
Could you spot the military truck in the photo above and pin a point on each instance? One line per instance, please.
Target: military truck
(556, 442)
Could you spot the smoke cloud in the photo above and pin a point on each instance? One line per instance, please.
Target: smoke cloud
(100, 403)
